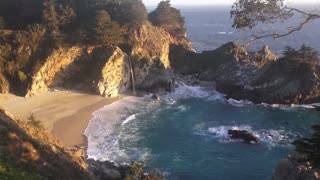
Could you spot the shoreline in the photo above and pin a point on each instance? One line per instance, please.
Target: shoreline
(64, 113)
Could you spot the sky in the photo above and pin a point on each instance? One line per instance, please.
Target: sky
(214, 2)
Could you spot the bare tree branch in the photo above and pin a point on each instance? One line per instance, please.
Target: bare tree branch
(250, 13)
(309, 17)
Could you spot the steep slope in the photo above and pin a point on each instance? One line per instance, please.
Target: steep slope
(27, 152)
(150, 56)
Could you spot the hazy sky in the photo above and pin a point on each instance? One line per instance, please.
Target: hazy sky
(214, 2)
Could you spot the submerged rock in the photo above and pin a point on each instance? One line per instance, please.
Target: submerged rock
(155, 97)
(246, 136)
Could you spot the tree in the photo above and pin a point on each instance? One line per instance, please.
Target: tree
(305, 52)
(250, 13)
(2, 23)
(127, 12)
(290, 52)
(67, 16)
(168, 18)
(50, 17)
(106, 31)
(310, 146)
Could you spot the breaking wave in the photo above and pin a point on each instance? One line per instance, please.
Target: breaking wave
(272, 137)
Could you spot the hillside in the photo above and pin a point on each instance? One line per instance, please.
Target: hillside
(28, 152)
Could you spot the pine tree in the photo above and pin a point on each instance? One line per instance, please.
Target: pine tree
(168, 18)
(67, 16)
(128, 12)
(50, 17)
(106, 31)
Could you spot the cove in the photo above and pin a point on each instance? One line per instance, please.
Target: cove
(185, 134)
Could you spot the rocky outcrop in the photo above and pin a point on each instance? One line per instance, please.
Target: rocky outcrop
(4, 84)
(150, 55)
(102, 70)
(246, 136)
(108, 170)
(257, 76)
(52, 73)
(106, 70)
(115, 75)
(295, 167)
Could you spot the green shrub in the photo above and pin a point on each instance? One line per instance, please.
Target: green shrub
(32, 121)
(137, 173)
(9, 173)
(22, 76)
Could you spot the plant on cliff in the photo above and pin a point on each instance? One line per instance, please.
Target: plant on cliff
(32, 121)
(310, 146)
(137, 173)
(168, 18)
(106, 31)
(50, 17)
(305, 52)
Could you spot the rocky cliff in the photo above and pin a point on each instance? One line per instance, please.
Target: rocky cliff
(295, 167)
(150, 55)
(106, 70)
(257, 76)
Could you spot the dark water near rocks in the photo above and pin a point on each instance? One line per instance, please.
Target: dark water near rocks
(185, 133)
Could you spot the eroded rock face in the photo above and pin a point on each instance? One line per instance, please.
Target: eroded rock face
(4, 84)
(257, 76)
(295, 167)
(52, 73)
(150, 56)
(106, 70)
(115, 75)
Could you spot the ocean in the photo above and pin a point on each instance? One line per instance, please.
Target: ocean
(184, 135)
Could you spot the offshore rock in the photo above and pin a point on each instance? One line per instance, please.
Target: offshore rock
(246, 136)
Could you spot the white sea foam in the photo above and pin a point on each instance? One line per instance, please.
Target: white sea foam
(129, 119)
(183, 91)
(104, 130)
(270, 136)
(290, 107)
(239, 103)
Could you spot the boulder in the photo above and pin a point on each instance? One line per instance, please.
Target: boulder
(155, 97)
(246, 136)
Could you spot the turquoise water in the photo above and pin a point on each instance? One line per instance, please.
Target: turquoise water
(184, 134)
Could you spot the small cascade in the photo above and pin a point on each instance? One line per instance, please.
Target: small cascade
(132, 75)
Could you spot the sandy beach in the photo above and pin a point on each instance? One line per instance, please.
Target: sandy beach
(65, 114)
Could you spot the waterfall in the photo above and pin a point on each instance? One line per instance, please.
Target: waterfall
(132, 75)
